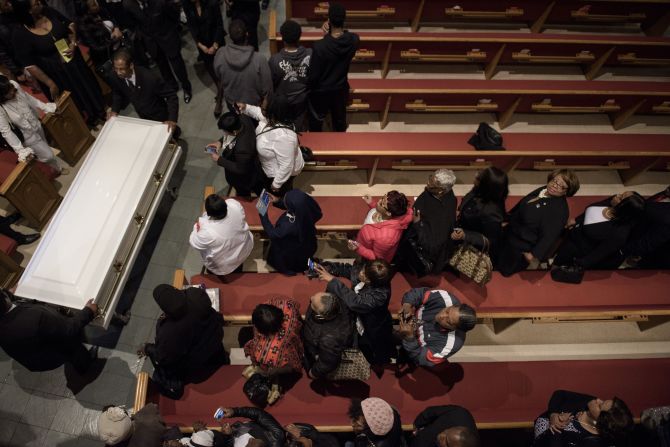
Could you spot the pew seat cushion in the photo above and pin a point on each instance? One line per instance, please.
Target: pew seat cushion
(7, 244)
(9, 160)
(515, 392)
(527, 294)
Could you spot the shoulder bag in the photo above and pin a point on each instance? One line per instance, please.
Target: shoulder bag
(353, 366)
(473, 263)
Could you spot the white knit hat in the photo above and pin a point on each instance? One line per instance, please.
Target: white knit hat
(204, 438)
(114, 425)
(378, 415)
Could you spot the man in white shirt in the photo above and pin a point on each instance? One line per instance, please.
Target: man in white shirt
(222, 235)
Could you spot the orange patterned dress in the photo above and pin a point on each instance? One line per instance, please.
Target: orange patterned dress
(283, 348)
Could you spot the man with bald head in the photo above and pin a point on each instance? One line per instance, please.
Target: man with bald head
(445, 426)
(327, 332)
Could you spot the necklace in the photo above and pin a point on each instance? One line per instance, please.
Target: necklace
(583, 415)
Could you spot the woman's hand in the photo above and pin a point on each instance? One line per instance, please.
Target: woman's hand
(367, 199)
(457, 234)
(324, 275)
(293, 431)
(241, 106)
(558, 421)
(352, 245)
(571, 223)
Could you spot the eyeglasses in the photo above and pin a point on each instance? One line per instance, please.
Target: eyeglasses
(556, 182)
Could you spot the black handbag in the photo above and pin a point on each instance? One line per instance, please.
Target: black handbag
(168, 384)
(571, 274)
(411, 255)
(486, 139)
(257, 389)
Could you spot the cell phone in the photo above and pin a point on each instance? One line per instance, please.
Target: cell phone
(311, 272)
(263, 203)
(218, 414)
(211, 149)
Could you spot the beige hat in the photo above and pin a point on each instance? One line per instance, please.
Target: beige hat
(114, 425)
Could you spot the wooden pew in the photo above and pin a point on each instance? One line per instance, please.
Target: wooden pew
(629, 154)
(652, 17)
(29, 188)
(10, 270)
(490, 50)
(345, 214)
(499, 395)
(621, 295)
(67, 129)
(620, 100)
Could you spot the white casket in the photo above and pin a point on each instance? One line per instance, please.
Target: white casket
(89, 247)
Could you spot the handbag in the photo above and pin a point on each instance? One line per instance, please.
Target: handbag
(353, 366)
(168, 384)
(411, 254)
(257, 389)
(473, 263)
(486, 139)
(571, 274)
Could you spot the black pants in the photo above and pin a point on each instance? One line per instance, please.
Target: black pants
(323, 103)
(167, 64)
(77, 355)
(9, 232)
(250, 13)
(510, 258)
(286, 187)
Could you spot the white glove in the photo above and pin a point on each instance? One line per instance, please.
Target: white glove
(50, 107)
(25, 153)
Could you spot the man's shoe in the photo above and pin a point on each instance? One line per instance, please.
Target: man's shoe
(93, 352)
(187, 97)
(29, 238)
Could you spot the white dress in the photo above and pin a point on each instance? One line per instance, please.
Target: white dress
(21, 111)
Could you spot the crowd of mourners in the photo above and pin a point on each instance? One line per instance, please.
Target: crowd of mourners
(260, 106)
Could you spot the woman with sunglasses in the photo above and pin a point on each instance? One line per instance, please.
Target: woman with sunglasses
(536, 223)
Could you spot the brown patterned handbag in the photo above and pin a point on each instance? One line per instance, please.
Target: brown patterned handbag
(473, 263)
(353, 366)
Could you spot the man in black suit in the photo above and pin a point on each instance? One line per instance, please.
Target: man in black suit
(158, 23)
(649, 243)
(152, 98)
(41, 338)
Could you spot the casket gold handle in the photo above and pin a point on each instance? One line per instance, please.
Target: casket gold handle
(139, 219)
(118, 266)
(158, 177)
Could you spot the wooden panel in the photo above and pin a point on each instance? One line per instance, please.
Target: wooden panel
(68, 129)
(10, 271)
(582, 57)
(31, 193)
(380, 11)
(584, 16)
(414, 54)
(420, 105)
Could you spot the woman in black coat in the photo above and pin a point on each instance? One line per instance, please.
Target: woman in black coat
(293, 236)
(369, 298)
(482, 210)
(204, 21)
(579, 419)
(189, 334)
(434, 218)
(597, 236)
(536, 223)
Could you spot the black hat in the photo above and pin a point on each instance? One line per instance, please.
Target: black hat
(337, 13)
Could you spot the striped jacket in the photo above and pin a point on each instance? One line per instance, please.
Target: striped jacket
(432, 344)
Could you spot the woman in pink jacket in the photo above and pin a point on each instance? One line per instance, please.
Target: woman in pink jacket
(383, 227)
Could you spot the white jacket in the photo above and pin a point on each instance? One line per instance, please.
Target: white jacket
(278, 149)
(225, 243)
(22, 112)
